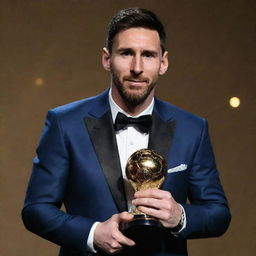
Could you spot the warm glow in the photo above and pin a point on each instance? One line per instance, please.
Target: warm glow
(39, 82)
(234, 102)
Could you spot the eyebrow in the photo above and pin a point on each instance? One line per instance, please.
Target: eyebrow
(155, 53)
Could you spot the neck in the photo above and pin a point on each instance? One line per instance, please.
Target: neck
(130, 109)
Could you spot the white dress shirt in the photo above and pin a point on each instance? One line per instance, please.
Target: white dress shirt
(129, 140)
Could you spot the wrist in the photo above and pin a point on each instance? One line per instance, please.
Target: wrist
(180, 224)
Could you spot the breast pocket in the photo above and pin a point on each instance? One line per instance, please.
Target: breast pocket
(176, 182)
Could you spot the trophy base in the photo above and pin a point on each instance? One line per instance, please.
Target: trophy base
(143, 229)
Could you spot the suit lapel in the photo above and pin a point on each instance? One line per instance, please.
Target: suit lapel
(161, 135)
(103, 137)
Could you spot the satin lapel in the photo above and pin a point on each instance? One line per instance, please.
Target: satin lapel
(102, 134)
(161, 135)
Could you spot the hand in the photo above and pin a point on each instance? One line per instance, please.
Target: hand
(107, 236)
(159, 204)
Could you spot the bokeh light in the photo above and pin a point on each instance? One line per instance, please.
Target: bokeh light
(39, 82)
(234, 102)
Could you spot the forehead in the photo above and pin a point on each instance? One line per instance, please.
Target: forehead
(137, 38)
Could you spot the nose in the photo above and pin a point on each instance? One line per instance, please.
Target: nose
(136, 65)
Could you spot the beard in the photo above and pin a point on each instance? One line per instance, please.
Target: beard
(132, 100)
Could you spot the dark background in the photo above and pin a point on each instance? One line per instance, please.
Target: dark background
(50, 54)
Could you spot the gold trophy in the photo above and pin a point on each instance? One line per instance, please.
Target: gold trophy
(145, 169)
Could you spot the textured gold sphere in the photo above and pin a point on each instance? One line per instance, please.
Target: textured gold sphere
(145, 165)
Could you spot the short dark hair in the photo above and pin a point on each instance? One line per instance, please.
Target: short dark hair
(132, 18)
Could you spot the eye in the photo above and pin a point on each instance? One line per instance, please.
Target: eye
(126, 53)
(148, 54)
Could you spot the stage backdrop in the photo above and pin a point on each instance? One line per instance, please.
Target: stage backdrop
(50, 54)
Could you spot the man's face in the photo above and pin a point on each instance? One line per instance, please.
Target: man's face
(135, 63)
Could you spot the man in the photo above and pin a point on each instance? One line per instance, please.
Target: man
(85, 145)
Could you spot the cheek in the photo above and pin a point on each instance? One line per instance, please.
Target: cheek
(153, 72)
(120, 68)
(152, 67)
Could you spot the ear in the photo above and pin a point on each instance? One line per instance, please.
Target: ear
(106, 59)
(164, 63)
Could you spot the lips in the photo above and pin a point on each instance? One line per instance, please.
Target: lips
(137, 84)
(136, 81)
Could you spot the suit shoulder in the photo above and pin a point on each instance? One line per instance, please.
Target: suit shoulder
(81, 107)
(73, 106)
(178, 113)
(187, 125)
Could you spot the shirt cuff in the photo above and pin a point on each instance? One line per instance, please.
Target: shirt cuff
(90, 246)
(184, 222)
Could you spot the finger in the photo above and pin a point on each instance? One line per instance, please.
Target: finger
(151, 202)
(115, 250)
(118, 236)
(123, 240)
(124, 216)
(159, 214)
(115, 245)
(153, 193)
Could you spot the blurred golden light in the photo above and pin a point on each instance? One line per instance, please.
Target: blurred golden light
(39, 82)
(234, 102)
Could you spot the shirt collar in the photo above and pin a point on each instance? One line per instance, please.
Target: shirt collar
(115, 108)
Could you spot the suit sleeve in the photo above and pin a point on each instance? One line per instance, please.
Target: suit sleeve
(45, 194)
(207, 213)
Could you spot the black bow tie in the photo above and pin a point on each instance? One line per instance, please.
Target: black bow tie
(143, 123)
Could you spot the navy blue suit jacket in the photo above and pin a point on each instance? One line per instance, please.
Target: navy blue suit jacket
(77, 164)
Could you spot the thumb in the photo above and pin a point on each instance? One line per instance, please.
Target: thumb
(125, 216)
